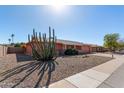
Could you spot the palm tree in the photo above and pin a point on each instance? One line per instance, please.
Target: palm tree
(9, 40)
(12, 38)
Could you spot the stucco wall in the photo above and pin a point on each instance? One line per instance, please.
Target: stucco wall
(16, 50)
(28, 50)
(61, 48)
(86, 49)
(3, 51)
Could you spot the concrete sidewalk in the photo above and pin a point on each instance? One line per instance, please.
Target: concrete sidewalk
(116, 80)
(96, 76)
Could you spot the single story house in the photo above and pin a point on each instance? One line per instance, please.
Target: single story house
(96, 48)
(62, 45)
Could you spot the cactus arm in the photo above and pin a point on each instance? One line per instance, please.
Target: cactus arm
(43, 48)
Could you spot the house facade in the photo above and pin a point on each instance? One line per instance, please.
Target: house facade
(62, 45)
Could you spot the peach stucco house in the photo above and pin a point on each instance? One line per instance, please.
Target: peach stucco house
(62, 45)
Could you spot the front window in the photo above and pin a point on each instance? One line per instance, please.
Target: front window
(70, 46)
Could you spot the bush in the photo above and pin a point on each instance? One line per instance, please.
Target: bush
(17, 45)
(71, 52)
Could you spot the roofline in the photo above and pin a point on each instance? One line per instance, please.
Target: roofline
(76, 43)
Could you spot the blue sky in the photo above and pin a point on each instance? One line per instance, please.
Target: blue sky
(86, 24)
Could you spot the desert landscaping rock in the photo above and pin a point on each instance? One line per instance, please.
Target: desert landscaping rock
(65, 67)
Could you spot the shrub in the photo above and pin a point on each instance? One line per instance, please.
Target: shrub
(71, 52)
(17, 45)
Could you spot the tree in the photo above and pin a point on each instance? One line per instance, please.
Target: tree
(111, 41)
(17, 45)
(121, 44)
(9, 40)
(12, 36)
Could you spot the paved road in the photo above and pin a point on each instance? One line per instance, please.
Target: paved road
(116, 80)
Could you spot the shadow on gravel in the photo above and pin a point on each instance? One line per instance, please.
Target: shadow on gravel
(42, 67)
(22, 58)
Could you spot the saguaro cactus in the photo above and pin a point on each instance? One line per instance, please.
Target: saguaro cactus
(43, 48)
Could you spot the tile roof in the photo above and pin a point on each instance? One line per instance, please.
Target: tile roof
(69, 42)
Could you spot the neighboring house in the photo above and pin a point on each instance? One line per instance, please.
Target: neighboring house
(62, 45)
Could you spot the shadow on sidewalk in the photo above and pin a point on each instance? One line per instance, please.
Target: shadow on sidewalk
(42, 67)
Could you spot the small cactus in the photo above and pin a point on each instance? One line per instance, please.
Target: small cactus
(43, 48)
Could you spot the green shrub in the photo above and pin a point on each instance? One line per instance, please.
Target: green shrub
(71, 52)
(17, 45)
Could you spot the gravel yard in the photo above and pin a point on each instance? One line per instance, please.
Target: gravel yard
(38, 74)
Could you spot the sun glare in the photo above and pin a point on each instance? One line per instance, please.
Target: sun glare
(58, 8)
